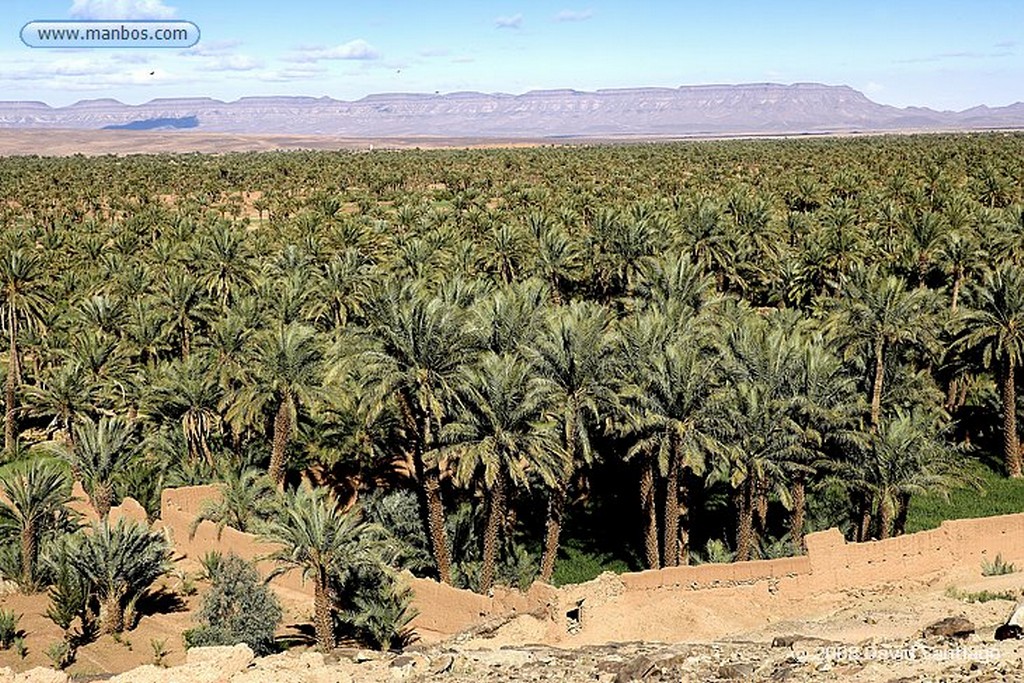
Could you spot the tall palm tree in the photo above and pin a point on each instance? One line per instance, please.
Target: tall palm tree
(286, 377)
(420, 344)
(23, 296)
(668, 417)
(575, 360)
(34, 498)
(321, 540)
(909, 455)
(878, 316)
(497, 438)
(100, 454)
(189, 392)
(995, 327)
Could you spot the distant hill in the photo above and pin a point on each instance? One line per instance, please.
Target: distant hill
(697, 111)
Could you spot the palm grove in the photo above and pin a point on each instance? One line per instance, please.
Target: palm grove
(670, 353)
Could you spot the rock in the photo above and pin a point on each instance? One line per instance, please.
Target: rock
(500, 657)
(635, 669)
(1009, 632)
(950, 627)
(407, 665)
(741, 671)
(442, 664)
(40, 674)
(228, 658)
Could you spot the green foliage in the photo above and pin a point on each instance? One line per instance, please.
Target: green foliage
(997, 496)
(238, 608)
(160, 651)
(71, 597)
(119, 563)
(378, 612)
(60, 654)
(8, 628)
(997, 567)
(981, 596)
(578, 565)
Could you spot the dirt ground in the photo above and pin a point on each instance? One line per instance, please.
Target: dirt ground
(853, 628)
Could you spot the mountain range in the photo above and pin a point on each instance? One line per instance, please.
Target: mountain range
(688, 111)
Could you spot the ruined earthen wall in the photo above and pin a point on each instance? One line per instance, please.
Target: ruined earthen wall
(830, 563)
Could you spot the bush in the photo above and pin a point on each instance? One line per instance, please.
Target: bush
(378, 609)
(238, 608)
(997, 567)
(8, 628)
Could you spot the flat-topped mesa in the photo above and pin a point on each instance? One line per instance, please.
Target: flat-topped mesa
(687, 111)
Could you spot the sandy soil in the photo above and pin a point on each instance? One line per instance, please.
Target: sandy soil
(888, 618)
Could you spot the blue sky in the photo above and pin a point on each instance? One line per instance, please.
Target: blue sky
(945, 54)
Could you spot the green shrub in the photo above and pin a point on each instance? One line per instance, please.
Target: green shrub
(981, 596)
(997, 567)
(238, 608)
(8, 628)
(61, 654)
(378, 609)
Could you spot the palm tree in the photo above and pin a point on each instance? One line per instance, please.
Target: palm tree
(497, 438)
(421, 342)
(322, 541)
(188, 391)
(995, 327)
(63, 395)
(100, 453)
(246, 501)
(909, 455)
(24, 299)
(668, 418)
(34, 498)
(575, 361)
(879, 315)
(286, 377)
(119, 562)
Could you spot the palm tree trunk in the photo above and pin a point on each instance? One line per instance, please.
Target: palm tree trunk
(12, 382)
(902, 511)
(111, 613)
(683, 543)
(495, 514)
(884, 517)
(670, 520)
(650, 513)
(29, 550)
(552, 531)
(1011, 452)
(323, 625)
(876, 386)
(433, 505)
(745, 520)
(282, 434)
(796, 517)
(861, 504)
(102, 498)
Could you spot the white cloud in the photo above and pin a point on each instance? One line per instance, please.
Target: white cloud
(121, 9)
(357, 49)
(515, 21)
(574, 15)
(232, 63)
(210, 47)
